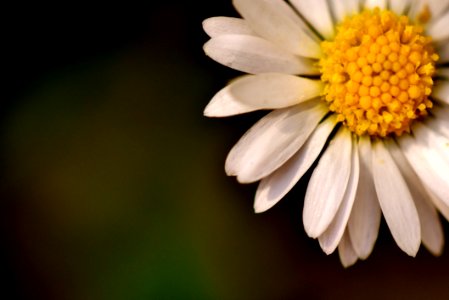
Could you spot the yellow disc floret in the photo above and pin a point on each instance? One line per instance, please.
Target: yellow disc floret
(378, 73)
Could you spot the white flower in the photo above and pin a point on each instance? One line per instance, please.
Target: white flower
(362, 85)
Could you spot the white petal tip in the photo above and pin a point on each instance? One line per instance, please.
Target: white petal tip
(262, 203)
(436, 252)
(436, 249)
(328, 251)
(347, 264)
(364, 256)
(206, 47)
(204, 24)
(208, 112)
(244, 179)
(312, 232)
(260, 209)
(230, 172)
(411, 252)
(411, 248)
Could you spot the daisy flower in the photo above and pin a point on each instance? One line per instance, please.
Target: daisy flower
(359, 86)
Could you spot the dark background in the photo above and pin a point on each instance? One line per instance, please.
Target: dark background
(112, 182)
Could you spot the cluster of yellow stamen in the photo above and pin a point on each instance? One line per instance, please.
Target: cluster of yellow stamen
(378, 73)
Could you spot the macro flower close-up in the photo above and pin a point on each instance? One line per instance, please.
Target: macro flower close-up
(359, 92)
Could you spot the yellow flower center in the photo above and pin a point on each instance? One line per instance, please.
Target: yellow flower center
(378, 73)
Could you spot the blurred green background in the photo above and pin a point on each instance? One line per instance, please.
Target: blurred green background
(112, 182)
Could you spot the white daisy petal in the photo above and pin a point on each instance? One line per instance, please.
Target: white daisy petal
(277, 22)
(330, 239)
(441, 91)
(439, 30)
(352, 6)
(263, 91)
(443, 72)
(433, 140)
(396, 201)
(255, 55)
(399, 6)
(428, 164)
(439, 124)
(328, 184)
(436, 7)
(443, 52)
(344, 8)
(431, 230)
(364, 222)
(338, 10)
(442, 207)
(346, 252)
(280, 134)
(217, 26)
(376, 3)
(275, 186)
(311, 9)
(441, 113)
(414, 8)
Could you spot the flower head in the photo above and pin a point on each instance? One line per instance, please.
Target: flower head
(361, 86)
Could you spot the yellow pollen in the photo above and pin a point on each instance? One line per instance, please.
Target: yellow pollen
(378, 73)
